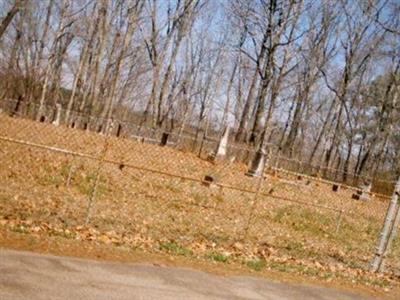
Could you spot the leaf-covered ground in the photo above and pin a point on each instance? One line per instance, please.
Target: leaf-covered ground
(137, 206)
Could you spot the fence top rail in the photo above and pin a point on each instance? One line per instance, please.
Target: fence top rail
(276, 156)
(329, 182)
(105, 160)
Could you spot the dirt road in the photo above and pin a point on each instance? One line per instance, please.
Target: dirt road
(25, 275)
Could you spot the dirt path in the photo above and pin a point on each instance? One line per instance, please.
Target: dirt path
(25, 275)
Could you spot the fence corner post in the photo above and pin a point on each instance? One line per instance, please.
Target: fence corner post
(387, 230)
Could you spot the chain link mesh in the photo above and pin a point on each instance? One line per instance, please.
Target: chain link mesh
(172, 198)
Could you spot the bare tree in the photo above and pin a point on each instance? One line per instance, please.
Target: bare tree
(10, 15)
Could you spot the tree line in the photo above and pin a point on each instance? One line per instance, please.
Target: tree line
(318, 79)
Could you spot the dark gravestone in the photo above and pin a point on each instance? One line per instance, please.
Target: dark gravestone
(335, 188)
(119, 130)
(208, 180)
(211, 157)
(164, 139)
(357, 195)
(364, 193)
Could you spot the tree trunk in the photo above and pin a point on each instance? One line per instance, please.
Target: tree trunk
(321, 133)
(10, 15)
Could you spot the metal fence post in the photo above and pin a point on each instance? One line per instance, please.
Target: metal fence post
(392, 236)
(257, 192)
(100, 165)
(382, 247)
(339, 221)
(277, 160)
(71, 171)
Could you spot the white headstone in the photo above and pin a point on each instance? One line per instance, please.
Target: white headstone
(257, 164)
(223, 143)
(110, 126)
(58, 115)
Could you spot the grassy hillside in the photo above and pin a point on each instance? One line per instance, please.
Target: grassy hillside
(137, 205)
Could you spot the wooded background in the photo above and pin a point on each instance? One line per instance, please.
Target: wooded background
(318, 79)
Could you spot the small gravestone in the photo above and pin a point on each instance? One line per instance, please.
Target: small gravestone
(208, 180)
(109, 126)
(211, 157)
(164, 139)
(366, 191)
(119, 130)
(335, 188)
(363, 193)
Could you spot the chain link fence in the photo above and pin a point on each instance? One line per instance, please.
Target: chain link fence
(125, 186)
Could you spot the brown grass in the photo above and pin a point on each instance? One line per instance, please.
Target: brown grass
(138, 208)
